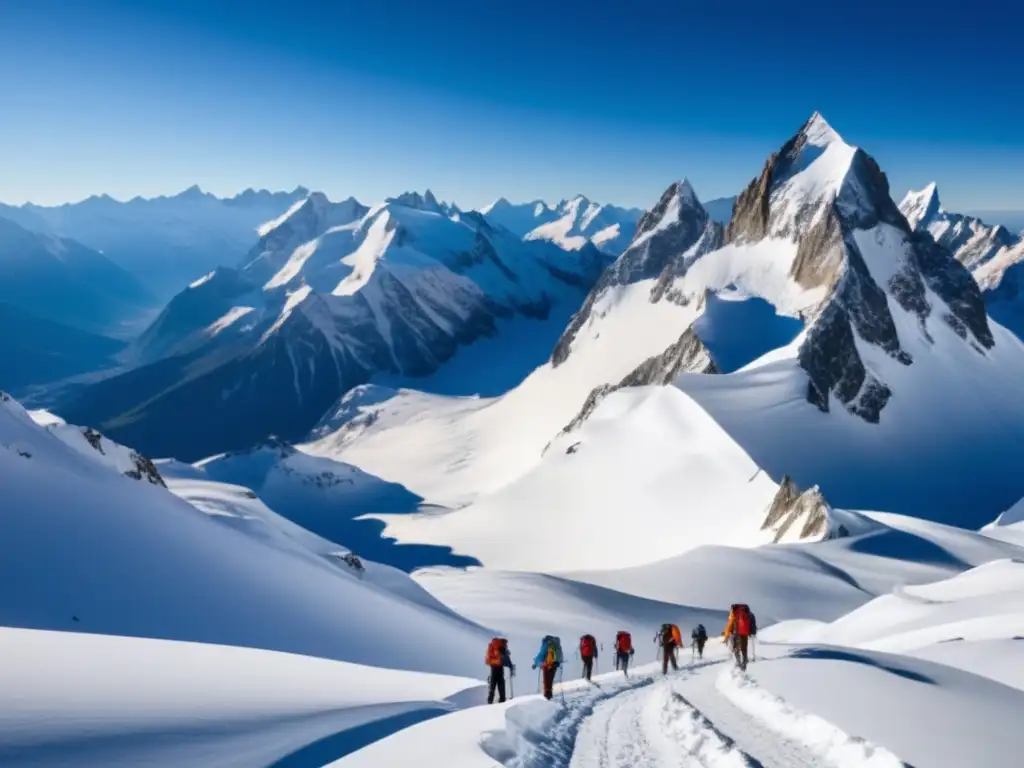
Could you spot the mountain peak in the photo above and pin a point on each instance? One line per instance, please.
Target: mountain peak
(194, 192)
(921, 206)
(818, 132)
(686, 192)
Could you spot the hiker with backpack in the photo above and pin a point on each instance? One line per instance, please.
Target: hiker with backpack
(740, 627)
(669, 638)
(497, 659)
(699, 635)
(549, 659)
(623, 651)
(588, 652)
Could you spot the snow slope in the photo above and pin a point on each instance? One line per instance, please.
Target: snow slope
(972, 620)
(99, 552)
(100, 700)
(331, 296)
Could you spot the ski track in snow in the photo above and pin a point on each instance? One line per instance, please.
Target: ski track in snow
(705, 715)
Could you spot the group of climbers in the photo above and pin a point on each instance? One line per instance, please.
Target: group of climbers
(739, 628)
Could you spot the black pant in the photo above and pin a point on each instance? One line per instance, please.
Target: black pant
(496, 680)
(668, 657)
(588, 666)
(549, 680)
(739, 649)
(699, 643)
(622, 661)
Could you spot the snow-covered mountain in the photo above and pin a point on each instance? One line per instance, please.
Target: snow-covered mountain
(570, 223)
(858, 351)
(165, 242)
(59, 279)
(992, 253)
(332, 295)
(972, 241)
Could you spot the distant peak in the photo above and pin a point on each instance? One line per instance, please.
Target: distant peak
(921, 206)
(192, 193)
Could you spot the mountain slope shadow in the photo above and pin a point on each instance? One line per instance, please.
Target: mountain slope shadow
(330, 499)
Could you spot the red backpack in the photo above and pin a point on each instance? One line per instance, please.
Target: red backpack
(494, 657)
(624, 642)
(743, 623)
(587, 645)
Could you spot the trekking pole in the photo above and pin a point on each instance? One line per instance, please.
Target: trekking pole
(753, 653)
(538, 680)
(511, 685)
(561, 683)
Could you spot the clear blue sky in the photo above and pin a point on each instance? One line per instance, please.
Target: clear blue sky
(481, 98)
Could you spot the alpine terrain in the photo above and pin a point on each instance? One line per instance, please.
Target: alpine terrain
(534, 486)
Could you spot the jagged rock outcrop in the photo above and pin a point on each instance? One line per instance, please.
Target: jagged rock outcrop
(807, 509)
(688, 354)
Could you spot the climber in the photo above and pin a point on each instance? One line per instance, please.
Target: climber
(588, 652)
(549, 659)
(623, 651)
(497, 659)
(669, 638)
(740, 627)
(699, 635)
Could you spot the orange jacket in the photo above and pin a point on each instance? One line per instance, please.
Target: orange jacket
(730, 625)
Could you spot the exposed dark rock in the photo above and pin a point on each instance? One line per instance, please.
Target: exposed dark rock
(791, 505)
(686, 354)
(952, 283)
(819, 254)
(830, 358)
(94, 438)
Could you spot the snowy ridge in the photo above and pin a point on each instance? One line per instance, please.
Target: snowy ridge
(833, 745)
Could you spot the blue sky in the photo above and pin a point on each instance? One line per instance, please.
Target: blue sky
(477, 99)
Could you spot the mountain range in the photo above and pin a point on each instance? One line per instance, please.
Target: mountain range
(331, 295)
(164, 242)
(806, 398)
